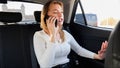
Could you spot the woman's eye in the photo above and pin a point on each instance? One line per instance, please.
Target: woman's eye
(55, 12)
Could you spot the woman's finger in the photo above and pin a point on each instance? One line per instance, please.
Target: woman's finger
(102, 47)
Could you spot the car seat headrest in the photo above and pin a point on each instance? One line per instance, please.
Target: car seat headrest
(37, 15)
(10, 17)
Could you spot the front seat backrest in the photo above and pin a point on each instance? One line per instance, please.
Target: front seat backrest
(112, 59)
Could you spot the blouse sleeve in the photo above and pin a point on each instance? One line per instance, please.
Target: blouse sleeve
(45, 55)
(79, 49)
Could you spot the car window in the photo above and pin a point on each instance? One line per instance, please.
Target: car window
(79, 16)
(27, 10)
(99, 13)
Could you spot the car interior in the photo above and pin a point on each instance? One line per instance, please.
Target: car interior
(16, 40)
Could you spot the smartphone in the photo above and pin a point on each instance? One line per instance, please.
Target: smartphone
(46, 17)
(56, 23)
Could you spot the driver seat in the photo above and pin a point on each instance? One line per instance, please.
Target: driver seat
(112, 59)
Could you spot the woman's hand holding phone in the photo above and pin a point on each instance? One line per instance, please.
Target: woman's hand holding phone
(52, 27)
(47, 17)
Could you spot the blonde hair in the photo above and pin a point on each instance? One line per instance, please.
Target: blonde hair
(44, 13)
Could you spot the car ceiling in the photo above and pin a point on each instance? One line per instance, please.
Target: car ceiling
(42, 1)
(68, 4)
(35, 1)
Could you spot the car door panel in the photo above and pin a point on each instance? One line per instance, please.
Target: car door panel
(90, 38)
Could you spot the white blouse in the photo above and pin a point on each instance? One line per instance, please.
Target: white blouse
(51, 54)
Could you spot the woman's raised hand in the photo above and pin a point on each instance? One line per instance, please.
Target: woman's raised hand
(102, 51)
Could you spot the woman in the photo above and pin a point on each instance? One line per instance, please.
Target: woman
(52, 44)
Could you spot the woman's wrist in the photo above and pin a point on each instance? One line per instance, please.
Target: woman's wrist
(52, 38)
(96, 56)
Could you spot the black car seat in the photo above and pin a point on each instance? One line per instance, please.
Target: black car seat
(16, 42)
(112, 59)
